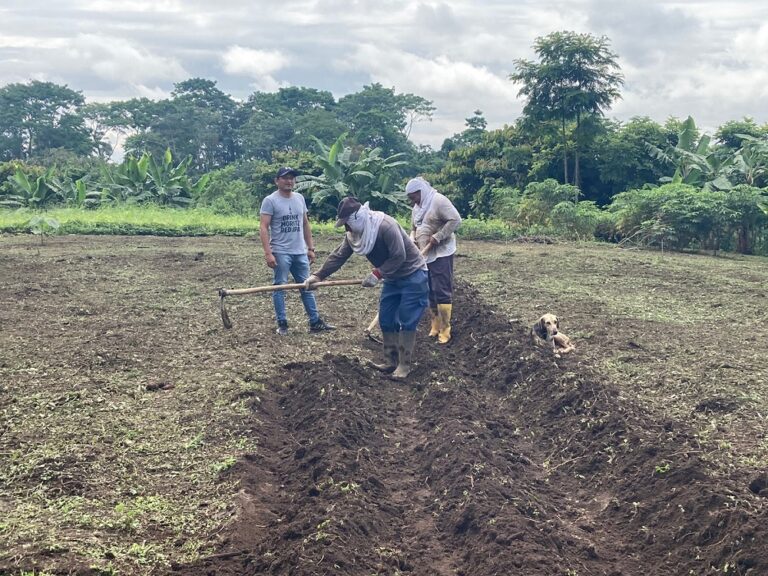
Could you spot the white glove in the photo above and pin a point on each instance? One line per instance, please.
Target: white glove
(372, 279)
(309, 283)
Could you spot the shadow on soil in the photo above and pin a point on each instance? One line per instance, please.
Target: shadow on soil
(496, 458)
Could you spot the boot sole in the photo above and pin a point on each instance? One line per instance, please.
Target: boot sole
(380, 368)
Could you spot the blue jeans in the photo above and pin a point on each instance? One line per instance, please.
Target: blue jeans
(298, 266)
(403, 302)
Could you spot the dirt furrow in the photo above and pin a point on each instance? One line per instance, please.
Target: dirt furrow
(494, 458)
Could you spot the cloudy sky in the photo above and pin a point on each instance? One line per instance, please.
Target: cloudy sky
(706, 58)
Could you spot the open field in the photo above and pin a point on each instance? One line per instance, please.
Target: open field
(138, 436)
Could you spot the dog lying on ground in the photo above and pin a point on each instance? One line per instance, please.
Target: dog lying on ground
(546, 333)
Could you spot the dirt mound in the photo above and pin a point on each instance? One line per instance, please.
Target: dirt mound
(495, 458)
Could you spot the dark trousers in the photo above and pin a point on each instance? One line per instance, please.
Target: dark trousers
(441, 281)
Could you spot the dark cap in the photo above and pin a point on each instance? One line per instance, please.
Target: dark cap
(285, 171)
(346, 208)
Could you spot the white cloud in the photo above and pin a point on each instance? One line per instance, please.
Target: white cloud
(752, 45)
(260, 65)
(250, 62)
(118, 60)
(25, 42)
(160, 6)
(456, 88)
(706, 58)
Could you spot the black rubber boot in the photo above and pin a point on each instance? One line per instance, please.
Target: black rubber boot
(390, 353)
(405, 350)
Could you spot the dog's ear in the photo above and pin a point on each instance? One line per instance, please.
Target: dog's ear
(557, 322)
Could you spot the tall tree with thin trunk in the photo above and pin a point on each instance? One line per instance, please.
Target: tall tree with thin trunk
(576, 78)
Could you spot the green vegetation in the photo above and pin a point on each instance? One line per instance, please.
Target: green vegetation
(158, 221)
(561, 169)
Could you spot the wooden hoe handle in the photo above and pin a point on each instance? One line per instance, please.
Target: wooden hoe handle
(273, 287)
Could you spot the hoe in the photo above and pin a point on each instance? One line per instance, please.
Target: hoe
(271, 288)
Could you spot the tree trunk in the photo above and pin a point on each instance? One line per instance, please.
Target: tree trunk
(565, 155)
(745, 246)
(576, 170)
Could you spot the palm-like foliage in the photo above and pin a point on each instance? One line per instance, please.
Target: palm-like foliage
(31, 192)
(147, 180)
(368, 176)
(695, 162)
(75, 193)
(750, 162)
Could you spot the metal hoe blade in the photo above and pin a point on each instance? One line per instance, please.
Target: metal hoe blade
(224, 316)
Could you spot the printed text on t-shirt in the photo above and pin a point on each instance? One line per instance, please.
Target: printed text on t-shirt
(289, 223)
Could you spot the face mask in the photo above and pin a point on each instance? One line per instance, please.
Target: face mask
(356, 223)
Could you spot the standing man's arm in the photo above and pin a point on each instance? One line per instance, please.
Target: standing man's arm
(308, 239)
(264, 222)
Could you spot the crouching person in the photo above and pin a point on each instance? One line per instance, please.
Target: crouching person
(398, 263)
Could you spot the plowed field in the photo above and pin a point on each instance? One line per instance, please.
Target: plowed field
(138, 436)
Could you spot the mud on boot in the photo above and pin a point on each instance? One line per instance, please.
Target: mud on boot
(407, 343)
(389, 365)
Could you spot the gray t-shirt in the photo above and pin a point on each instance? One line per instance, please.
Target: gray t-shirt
(286, 230)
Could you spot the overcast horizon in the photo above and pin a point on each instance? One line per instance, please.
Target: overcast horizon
(706, 59)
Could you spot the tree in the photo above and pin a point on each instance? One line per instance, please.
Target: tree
(205, 116)
(502, 158)
(575, 79)
(377, 117)
(40, 116)
(197, 122)
(473, 134)
(287, 120)
(731, 134)
(622, 157)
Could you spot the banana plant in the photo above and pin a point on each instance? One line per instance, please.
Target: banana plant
(368, 177)
(31, 193)
(147, 180)
(76, 193)
(695, 162)
(170, 184)
(43, 226)
(128, 181)
(750, 163)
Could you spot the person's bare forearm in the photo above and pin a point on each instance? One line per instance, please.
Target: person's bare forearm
(264, 236)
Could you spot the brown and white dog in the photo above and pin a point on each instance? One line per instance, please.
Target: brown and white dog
(546, 333)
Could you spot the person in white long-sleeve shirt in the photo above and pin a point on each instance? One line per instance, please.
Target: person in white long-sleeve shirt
(434, 220)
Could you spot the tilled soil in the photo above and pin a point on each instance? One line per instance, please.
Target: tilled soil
(121, 386)
(493, 459)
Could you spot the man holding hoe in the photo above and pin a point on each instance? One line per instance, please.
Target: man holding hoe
(434, 220)
(398, 262)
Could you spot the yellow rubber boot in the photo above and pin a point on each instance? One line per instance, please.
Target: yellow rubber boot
(444, 314)
(435, 317)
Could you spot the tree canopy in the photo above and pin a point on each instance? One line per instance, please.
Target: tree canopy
(576, 78)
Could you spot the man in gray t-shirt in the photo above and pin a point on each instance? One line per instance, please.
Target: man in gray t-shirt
(287, 241)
